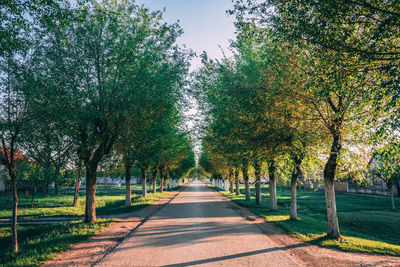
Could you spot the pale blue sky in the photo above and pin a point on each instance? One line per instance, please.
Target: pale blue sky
(205, 23)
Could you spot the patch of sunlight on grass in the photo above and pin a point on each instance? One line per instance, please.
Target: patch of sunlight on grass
(277, 218)
(361, 245)
(367, 224)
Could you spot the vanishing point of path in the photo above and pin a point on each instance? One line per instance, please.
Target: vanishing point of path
(198, 227)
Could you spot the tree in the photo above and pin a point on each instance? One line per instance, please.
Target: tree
(125, 48)
(339, 87)
(386, 166)
(15, 113)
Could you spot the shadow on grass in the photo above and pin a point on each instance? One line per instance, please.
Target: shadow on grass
(366, 223)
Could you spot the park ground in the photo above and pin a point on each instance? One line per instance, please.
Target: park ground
(40, 241)
(367, 224)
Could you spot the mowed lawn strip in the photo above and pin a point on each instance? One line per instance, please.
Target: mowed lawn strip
(366, 222)
(38, 243)
(109, 200)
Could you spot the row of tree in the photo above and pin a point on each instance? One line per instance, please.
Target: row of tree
(81, 80)
(309, 84)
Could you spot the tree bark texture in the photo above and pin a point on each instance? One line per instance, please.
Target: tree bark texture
(128, 185)
(293, 189)
(14, 214)
(162, 173)
(245, 172)
(237, 182)
(33, 197)
(391, 189)
(273, 204)
(230, 178)
(90, 208)
(257, 172)
(329, 178)
(56, 188)
(76, 196)
(144, 182)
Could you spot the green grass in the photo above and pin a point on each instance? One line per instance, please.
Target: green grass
(108, 201)
(366, 223)
(38, 243)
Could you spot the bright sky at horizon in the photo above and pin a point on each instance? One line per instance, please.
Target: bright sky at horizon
(205, 23)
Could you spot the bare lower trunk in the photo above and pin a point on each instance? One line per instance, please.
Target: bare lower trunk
(90, 208)
(237, 187)
(392, 197)
(258, 192)
(162, 172)
(293, 188)
(14, 215)
(257, 172)
(329, 177)
(293, 201)
(230, 179)
(128, 185)
(333, 224)
(246, 182)
(56, 188)
(46, 179)
(273, 205)
(237, 182)
(154, 185)
(144, 182)
(33, 197)
(76, 196)
(45, 187)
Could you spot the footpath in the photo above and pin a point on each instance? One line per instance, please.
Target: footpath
(97, 247)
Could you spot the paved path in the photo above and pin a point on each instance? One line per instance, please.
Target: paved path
(198, 227)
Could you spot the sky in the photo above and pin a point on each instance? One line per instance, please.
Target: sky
(206, 27)
(205, 23)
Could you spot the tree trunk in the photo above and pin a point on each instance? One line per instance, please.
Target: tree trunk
(90, 208)
(293, 189)
(392, 197)
(333, 224)
(273, 205)
(33, 197)
(293, 201)
(230, 178)
(76, 196)
(45, 187)
(14, 214)
(144, 182)
(56, 189)
(46, 179)
(246, 182)
(128, 186)
(237, 182)
(329, 177)
(162, 172)
(257, 172)
(77, 186)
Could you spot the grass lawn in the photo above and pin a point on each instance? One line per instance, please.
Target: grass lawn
(38, 243)
(108, 201)
(366, 223)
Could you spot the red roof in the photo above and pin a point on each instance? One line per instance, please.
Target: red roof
(18, 156)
